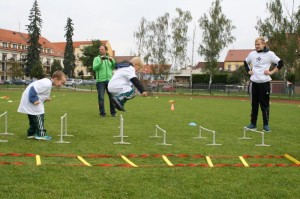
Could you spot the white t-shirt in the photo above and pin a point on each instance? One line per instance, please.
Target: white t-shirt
(43, 89)
(120, 81)
(261, 62)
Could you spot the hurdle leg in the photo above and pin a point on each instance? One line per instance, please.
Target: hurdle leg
(121, 132)
(244, 136)
(200, 137)
(214, 139)
(5, 124)
(62, 122)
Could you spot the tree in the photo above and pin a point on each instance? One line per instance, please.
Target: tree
(179, 26)
(140, 36)
(69, 57)
(157, 40)
(56, 65)
(282, 32)
(33, 64)
(216, 36)
(16, 68)
(89, 53)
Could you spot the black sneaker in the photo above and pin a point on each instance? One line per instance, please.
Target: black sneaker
(118, 104)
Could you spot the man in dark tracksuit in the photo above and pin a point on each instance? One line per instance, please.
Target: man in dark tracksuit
(259, 88)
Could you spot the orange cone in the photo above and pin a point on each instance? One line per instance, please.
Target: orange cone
(172, 107)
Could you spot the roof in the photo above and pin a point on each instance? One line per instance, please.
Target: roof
(237, 55)
(76, 44)
(201, 65)
(15, 37)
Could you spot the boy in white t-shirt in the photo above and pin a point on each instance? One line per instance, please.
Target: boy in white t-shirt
(32, 104)
(120, 85)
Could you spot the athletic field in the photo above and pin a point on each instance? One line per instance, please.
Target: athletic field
(93, 166)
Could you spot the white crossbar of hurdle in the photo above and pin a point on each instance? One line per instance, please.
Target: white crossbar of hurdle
(213, 132)
(121, 132)
(63, 128)
(255, 131)
(164, 135)
(5, 126)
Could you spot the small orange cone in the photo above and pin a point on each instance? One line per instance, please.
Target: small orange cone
(172, 107)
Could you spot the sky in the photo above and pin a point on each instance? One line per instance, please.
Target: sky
(117, 20)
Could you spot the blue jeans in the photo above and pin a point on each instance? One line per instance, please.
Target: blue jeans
(101, 87)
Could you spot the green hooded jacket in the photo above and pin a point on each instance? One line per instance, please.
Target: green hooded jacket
(103, 68)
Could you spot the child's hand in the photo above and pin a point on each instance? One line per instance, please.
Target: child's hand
(144, 94)
(36, 102)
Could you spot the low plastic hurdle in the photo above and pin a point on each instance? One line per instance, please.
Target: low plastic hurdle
(164, 135)
(5, 126)
(254, 130)
(63, 129)
(121, 132)
(213, 132)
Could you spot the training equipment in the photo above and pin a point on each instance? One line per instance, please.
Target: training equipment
(63, 129)
(213, 132)
(254, 130)
(121, 132)
(164, 135)
(5, 126)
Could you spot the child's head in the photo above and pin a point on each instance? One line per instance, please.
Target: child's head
(137, 62)
(58, 78)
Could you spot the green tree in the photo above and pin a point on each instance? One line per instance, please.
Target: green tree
(16, 68)
(89, 53)
(282, 31)
(215, 37)
(33, 64)
(140, 36)
(56, 65)
(157, 42)
(179, 26)
(69, 57)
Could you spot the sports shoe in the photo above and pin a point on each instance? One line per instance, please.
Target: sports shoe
(267, 128)
(46, 137)
(118, 104)
(31, 136)
(251, 126)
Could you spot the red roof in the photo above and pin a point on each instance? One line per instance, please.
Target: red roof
(237, 55)
(76, 44)
(201, 65)
(15, 37)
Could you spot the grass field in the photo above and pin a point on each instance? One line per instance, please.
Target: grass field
(61, 177)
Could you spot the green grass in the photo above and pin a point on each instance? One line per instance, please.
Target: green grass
(58, 177)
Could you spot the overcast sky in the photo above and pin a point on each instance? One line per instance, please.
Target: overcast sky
(117, 20)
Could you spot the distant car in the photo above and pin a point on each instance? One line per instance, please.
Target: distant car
(29, 81)
(78, 81)
(70, 82)
(7, 82)
(18, 82)
(168, 88)
(86, 82)
(151, 87)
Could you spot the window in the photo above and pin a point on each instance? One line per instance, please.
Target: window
(229, 67)
(15, 57)
(48, 61)
(4, 56)
(15, 46)
(5, 45)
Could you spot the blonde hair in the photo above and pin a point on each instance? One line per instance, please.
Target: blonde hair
(136, 61)
(261, 38)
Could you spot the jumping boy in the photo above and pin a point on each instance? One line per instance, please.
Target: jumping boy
(32, 104)
(120, 85)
